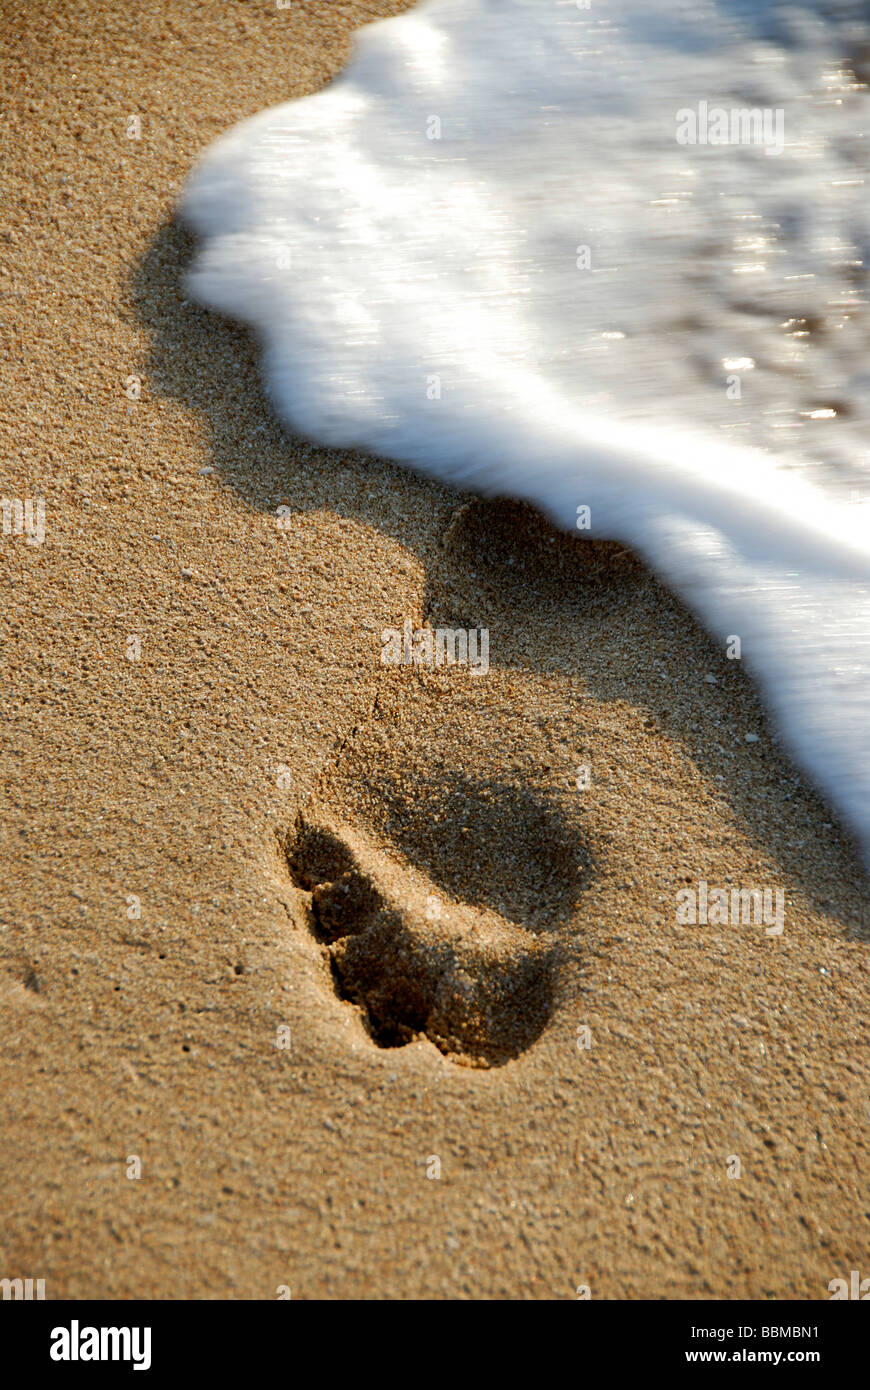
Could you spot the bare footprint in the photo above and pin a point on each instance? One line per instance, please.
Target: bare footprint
(418, 961)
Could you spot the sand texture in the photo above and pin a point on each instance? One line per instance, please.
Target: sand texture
(384, 1005)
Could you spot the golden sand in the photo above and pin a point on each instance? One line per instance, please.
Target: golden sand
(193, 692)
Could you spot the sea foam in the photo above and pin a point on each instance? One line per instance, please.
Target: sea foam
(495, 249)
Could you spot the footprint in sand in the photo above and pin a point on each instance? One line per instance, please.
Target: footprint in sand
(415, 955)
(443, 859)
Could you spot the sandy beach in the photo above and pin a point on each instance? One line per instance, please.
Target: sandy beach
(239, 849)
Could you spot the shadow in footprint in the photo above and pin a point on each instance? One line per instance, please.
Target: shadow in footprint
(518, 558)
(434, 957)
(509, 848)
